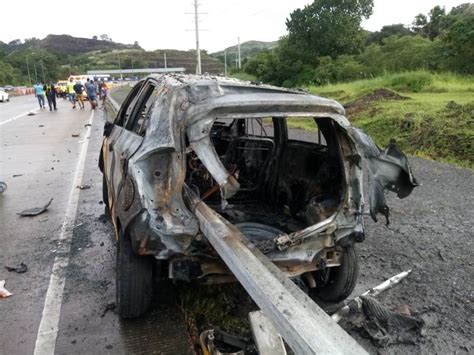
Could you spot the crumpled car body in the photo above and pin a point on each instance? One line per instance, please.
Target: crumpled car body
(298, 200)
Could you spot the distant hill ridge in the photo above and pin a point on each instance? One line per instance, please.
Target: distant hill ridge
(247, 49)
(65, 44)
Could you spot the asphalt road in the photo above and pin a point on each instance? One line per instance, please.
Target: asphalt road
(60, 304)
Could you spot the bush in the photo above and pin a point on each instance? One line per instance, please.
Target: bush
(412, 82)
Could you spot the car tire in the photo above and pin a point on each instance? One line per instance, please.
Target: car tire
(105, 195)
(134, 280)
(340, 281)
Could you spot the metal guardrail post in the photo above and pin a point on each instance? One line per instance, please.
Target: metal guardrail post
(303, 325)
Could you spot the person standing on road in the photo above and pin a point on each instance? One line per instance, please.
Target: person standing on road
(50, 95)
(91, 90)
(71, 94)
(39, 93)
(104, 93)
(79, 90)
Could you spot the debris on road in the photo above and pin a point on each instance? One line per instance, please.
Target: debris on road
(356, 304)
(17, 175)
(109, 307)
(35, 210)
(3, 187)
(4, 293)
(31, 113)
(87, 125)
(20, 269)
(215, 342)
(41, 125)
(75, 135)
(384, 326)
(83, 187)
(441, 255)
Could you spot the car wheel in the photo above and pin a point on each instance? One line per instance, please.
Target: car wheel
(337, 283)
(134, 276)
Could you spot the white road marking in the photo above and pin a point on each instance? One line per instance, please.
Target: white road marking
(20, 115)
(49, 325)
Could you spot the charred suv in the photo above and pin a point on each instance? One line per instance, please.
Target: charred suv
(296, 195)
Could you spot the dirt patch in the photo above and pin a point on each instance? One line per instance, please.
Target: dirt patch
(381, 94)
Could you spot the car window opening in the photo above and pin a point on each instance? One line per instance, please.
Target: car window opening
(287, 180)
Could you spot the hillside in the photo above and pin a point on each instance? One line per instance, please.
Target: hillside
(247, 49)
(58, 56)
(64, 45)
(429, 115)
(137, 58)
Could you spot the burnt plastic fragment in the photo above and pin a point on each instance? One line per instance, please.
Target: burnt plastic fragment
(388, 170)
(35, 211)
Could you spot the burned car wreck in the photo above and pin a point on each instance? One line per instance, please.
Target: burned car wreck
(181, 140)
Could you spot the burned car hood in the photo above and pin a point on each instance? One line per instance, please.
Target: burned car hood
(388, 170)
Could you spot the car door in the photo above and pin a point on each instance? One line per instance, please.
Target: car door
(125, 139)
(112, 145)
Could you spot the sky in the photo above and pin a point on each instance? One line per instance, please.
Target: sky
(160, 24)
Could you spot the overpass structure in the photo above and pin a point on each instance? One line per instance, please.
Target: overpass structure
(135, 71)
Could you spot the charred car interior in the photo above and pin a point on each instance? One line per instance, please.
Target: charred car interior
(178, 141)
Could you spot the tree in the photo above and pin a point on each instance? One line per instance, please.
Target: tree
(135, 44)
(436, 24)
(419, 24)
(388, 31)
(459, 45)
(105, 37)
(94, 38)
(328, 27)
(432, 26)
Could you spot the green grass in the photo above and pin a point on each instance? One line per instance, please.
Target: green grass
(223, 306)
(420, 81)
(243, 76)
(423, 125)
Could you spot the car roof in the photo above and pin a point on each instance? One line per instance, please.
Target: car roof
(231, 98)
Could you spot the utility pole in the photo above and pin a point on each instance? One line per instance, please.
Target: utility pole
(36, 73)
(166, 64)
(42, 69)
(28, 68)
(225, 63)
(196, 14)
(238, 49)
(120, 67)
(198, 50)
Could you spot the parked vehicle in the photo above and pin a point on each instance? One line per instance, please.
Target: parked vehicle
(297, 197)
(61, 88)
(4, 96)
(9, 88)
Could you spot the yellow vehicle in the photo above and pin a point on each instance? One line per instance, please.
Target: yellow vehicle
(61, 88)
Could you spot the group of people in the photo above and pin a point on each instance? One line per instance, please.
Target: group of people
(75, 93)
(48, 91)
(76, 90)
